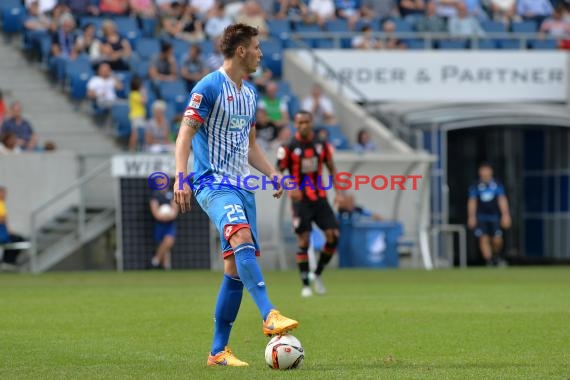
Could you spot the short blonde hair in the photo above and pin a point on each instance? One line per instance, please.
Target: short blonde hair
(159, 105)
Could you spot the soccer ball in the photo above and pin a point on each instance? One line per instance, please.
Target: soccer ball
(165, 210)
(284, 352)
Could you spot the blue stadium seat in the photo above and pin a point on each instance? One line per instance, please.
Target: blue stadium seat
(78, 73)
(140, 68)
(337, 138)
(8, 4)
(147, 48)
(120, 117)
(174, 92)
(547, 44)
(493, 26)
(487, 44)
(125, 78)
(415, 44)
(272, 56)
(301, 27)
(207, 47)
(294, 106)
(149, 26)
(403, 26)
(180, 47)
(97, 21)
(524, 27)
(453, 44)
(325, 43)
(129, 29)
(337, 25)
(13, 19)
(509, 44)
(374, 24)
(279, 28)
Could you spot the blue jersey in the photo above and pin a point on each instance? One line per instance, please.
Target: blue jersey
(221, 145)
(487, 195)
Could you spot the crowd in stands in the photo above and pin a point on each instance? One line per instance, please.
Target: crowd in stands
(125, 56)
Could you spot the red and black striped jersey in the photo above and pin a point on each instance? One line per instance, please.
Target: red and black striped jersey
(304, 160)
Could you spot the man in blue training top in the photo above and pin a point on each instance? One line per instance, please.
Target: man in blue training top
(488, 211)
(220, 123)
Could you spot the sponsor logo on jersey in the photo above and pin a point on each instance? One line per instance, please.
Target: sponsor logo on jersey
(309, 165)
(195, 100)
(238, 122)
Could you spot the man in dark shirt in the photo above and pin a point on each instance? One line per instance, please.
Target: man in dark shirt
(488, 211)
(304, 158)
(16, 124)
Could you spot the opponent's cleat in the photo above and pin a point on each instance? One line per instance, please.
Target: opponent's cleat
(306, 292)
(276, 324)
(319, 286)
(225, 358)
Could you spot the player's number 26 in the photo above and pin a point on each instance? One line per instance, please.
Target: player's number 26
(235, 213)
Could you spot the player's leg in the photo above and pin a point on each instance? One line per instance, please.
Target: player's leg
(326, 221)
(484, 242)
(302, 219)
(227, 308)
(497, 241)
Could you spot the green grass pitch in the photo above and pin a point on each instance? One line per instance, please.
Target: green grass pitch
(452, 324)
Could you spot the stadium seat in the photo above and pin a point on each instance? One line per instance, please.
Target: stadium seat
(337, 138)
(509, 44)
(125, 78)
(180, 47)
(403, 26)
(148, 27)
(279, 28)
(452, 44)
(120, 117)
(140, 68)
(493, 26)
(207, 47)
(174, 92)
(147, 48)
(415, 44)
(337, 25)
(78, 73)
(129, 29)
(13, 19)
(294, 106)
(325, 43)
(524, 27)
(374, 24)
(272, 56)
(547, 44)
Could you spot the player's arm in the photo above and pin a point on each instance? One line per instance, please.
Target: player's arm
(188, 128)
(472, 209)
(154, 210)
(259, 161)
(504, 208)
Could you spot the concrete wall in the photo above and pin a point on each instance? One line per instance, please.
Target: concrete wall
(33, 178)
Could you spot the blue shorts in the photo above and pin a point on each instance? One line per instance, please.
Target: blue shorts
(488, 227)
(161, 230)
(230, 209)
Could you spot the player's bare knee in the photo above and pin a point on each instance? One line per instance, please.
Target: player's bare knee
(303, 239)
(168, 241)
(241, 236)
(230, 268)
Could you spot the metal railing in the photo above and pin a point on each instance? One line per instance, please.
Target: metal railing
(427, 37)
(78, 187)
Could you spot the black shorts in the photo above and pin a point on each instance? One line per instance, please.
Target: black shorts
(490, 228)
(305, 212)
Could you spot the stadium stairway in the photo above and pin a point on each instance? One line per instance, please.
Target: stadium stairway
(51, 114)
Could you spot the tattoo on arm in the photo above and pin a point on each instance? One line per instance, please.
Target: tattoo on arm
(192, 123)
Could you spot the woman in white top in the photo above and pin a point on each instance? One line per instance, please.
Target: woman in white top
(157, 134)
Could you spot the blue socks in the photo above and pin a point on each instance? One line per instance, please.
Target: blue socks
(227, 307)
(250, 273)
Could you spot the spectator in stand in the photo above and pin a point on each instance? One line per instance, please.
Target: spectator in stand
(411, 7)
(89, 44)
(347, 209)
(295, 10)
(45, 6)
(348, 10)
(217, 22)
(115, 50)
(391, 42)
(102, 89)
(163, 66)
(322, 134)
(261, 77)
(323, 10)
(475, 8)
(431, 22)
(232, 7)
(191, 28)
(534, 10)
(81, 8)
(35, 20)
(202, 7)
(137, 114)
(366, 40)
(157, 136)
(446, 8)
(114, 7)
(193, 67)
(268, 7)
(9, 144)
(557, 25)
(10, 257)
(464, 25)
(320, 106)
(503, 10)
(283, 137)
(143, 9)
(62, 47)
(16, 124)
(265, 130)
(252, 14)
(215, 60)
(379, 9)
(275, 107)
(364, 143)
